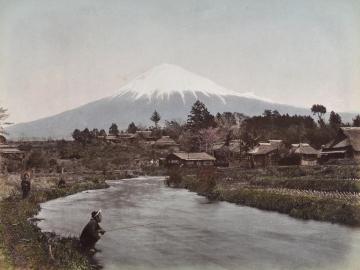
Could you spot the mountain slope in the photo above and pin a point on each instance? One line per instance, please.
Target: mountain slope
(169, 89)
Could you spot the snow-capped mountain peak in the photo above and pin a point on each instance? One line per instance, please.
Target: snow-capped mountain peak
(166, 79)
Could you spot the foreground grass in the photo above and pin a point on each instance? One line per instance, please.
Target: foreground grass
(23, 246)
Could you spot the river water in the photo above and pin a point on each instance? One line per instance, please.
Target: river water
(185, 231)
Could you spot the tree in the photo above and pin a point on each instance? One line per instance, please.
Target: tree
(189, 141)
(86, 135)
(226, 119)
(113, 130)
(207, 138)
(155, 117)
(319, 110)
(200, 117)
(132, 128)
(356, 121)
(95, 133)
(77, 135)
(173, 129)
(102, 132)
(3, 116)
(267, 113)
(335, 120)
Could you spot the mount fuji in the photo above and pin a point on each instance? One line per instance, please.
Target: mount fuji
(169, 89)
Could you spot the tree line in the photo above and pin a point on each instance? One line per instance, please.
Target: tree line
(202, 129)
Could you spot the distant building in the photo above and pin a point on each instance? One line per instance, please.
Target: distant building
(190, 159)
(345, 145)
(306, 155)
(120, 138)
(165, 142)
(10, 156)
(145, 135)
(224, 153)
(111, 138)
(126, 137)
(266, 153)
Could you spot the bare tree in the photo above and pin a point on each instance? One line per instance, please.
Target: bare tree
(3, 116)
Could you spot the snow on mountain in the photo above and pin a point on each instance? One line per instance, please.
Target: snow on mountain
(164, 80)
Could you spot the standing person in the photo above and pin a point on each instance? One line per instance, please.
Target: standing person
(25, 184)
(62, 183)
(91, 232)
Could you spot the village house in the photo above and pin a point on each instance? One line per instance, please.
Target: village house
(111, 138)
(127, 137)
(224, 153)
(10, 156)
(165, 142)
(120, 138)
(304, 153)
(266, 153)
(345, 145)
(145, 135)
(180, 159)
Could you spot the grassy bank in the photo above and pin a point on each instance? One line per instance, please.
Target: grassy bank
(334, 199)
(23, 244)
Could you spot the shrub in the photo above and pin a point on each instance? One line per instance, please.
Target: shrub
(37, 160)
(175, 178)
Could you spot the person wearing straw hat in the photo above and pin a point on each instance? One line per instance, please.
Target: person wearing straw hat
(91, 232)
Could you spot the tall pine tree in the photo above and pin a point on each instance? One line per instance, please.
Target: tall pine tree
(335, 120)
(155, 117)
(200, 117)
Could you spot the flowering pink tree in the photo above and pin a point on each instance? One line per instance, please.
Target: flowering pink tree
(207, 138)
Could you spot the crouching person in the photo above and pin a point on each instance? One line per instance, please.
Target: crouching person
(91, 232)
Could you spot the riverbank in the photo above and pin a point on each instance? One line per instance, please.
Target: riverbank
(23, 245)
(319, 193)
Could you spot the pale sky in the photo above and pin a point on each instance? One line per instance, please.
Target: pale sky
(57, 55)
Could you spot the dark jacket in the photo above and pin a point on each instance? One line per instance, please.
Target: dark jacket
(61, 183)
(90, 234)
(25, 186)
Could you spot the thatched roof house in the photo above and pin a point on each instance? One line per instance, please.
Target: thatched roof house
(9, 155)
(265, 153)
(226, 152)
(306, 154)
(265, 148)
(190, 159)
(166, 142)
(145, 135)
(345, 145)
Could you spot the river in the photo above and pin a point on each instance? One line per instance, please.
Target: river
(185, 231)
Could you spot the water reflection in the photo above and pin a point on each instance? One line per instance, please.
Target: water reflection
(185, 231)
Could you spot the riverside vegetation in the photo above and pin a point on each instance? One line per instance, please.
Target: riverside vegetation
(324, 193)
(24, 246)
